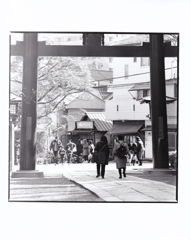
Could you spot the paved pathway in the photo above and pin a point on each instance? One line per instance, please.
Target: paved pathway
(138, 186)
(49, 188)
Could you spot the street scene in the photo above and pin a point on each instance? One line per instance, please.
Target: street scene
(93, 118)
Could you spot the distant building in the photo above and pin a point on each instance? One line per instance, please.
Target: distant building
(131, 82)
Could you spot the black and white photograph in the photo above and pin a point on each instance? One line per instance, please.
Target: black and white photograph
(95, 120)
(93, 117)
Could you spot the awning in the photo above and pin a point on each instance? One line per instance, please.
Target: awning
(148, 128)
(100, 121)
(125, 129)
(148, 99)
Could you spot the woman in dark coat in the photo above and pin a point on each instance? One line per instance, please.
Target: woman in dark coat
(121, 161)
(102, 149)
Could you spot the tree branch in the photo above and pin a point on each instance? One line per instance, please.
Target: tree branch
(14, 80)
(50, 89)
(49, 100)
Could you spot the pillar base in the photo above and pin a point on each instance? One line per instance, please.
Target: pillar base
(27, 174)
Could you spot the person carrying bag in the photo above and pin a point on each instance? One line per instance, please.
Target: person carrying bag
(101, 155)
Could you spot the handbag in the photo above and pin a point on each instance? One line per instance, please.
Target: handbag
(95, 155)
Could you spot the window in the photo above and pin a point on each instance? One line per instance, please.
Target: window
(134, 59)
(126, 71)
(13, 109)
(172, 141)
(145, 62)
(117, 108)
(143, 93)
(146, 93)
(110, 60)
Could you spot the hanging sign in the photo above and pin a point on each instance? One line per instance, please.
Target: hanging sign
(84, 125)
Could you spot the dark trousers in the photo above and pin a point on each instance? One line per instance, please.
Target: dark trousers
(61, 158)
(102, 170)
(139, 159)
(124, 170)
(55, 156)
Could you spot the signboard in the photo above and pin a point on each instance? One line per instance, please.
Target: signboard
(84, 125)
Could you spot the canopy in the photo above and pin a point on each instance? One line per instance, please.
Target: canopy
(148, 99)
(125, 129)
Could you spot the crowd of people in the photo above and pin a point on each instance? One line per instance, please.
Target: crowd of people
(83, 149)
(122, 151)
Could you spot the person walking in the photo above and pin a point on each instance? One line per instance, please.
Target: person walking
(55, 146)
(120, 152)
(79, 148)
(70, 147)
(91, 150)
(62, 153)
(132, 149)
(140, 150)
(102, 150)
(85, 151)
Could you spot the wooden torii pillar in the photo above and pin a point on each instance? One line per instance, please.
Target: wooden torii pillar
(93, 46)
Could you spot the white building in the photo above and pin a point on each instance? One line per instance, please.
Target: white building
(132, 82)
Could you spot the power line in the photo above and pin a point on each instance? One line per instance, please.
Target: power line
(136, 74)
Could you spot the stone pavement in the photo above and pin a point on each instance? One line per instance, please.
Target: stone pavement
(138, 186)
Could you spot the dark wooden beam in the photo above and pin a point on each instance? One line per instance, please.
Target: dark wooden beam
(158, 102)
(93, 51)
(29, 103)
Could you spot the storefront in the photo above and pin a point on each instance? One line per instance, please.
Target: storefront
(92, 126)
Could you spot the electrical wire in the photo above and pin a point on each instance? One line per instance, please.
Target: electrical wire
(136, 74)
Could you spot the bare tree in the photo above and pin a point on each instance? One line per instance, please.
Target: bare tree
(58, 77)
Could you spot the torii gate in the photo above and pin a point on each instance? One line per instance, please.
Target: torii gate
(93, 46)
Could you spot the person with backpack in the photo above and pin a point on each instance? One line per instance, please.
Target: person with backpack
(120, 152)
(132, 149)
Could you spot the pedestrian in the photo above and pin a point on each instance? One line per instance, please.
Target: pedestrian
(55, 146)
(85, 151)
(120, 152)
(132, 149)
(91, 150)
(79, 148)
(70, 147)
(139, 149)
(102, 150)
(62, 153)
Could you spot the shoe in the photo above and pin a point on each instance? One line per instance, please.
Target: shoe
(97, 176)
(102, 176)
(124, 174)
(120, 177)
(140, 164)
